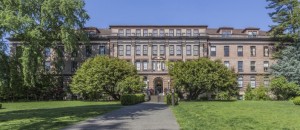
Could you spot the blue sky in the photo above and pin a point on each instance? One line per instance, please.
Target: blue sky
(214, 13)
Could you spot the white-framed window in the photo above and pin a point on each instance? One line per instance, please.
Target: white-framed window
(120, 50)
(138, 50)
(196, 50)
(154, 33)
(145, 50)
(266, 66)
(252, 82)
(138, 65)
(178, 32)
(213, 51)
(171, 32)
(188, 50)
(138, 32)
(240, 66)
(102, 50)
(128, 32)
(188, 32)
(266, 51)
(252, 34)
(145, 65)
(253, 50)
(252, 66)
(178, 50)
(154, 65)
(161, 32)
(154, 50)
(145, 32)
(226, 33)
(128, 50)
(266, 81)
(120, 32)
(171, 51)
(240, 51)
(196, 32)
(227, 64)
(240, 81)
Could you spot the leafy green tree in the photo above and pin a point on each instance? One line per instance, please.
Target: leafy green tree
(203, 75)
(130, 85)
(39, 24)
(101, 74)
(260, 93)
(283, 89)
(4, 70)
(248, 93)
(286, 16)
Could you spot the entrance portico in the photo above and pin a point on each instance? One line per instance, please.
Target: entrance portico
(158, 84)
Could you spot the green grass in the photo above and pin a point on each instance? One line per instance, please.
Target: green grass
(50, 115)
(238, 115)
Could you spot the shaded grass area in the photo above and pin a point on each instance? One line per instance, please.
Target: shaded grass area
(50, 115)
(238, 115)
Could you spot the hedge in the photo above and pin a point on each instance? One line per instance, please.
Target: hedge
(296, 101)
(131, 99)
(168, 99)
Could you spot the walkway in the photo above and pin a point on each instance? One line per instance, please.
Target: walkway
(144, 116)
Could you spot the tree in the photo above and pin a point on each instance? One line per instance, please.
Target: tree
(260, 93)
(101, 74)
(203, 75)
(248, 93)
(287, 19)
(288, 64)
(130, 85)
(283, 89)
(39, 24)
(4, 70)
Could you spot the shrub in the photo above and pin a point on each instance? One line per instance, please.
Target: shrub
(248, 93)
(0, 106)
(260, 93)
(296, 101)
(225, 96)
(168, 99)
(131, 99)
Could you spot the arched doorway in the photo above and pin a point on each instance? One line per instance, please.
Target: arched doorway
(158, 86)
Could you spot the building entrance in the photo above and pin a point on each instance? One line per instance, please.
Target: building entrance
(158, 86)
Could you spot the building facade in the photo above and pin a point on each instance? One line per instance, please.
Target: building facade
(149, 47)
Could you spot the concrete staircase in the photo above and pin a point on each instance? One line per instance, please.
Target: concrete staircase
(157, 98)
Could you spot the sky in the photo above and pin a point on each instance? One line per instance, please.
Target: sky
(214, 13)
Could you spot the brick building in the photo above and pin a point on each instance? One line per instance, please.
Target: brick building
(248, 51)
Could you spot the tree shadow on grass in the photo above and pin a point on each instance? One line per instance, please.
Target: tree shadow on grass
(53, 118)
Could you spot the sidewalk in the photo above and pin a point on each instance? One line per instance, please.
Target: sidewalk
(144, 116)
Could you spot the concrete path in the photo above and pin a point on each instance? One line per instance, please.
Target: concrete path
(144, 116)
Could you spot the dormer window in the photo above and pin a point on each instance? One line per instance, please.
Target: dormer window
(252, 34)
(226, 33)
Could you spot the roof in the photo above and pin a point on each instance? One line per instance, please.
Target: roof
(205, 26)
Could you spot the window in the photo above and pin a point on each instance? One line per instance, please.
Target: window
(120, 32)
(266, 81)
(240, 81)
(145, 50)
(266, 51)
(161, 32)
(138, 32)
(154, 65)
(171, 32)
(61, 51)
(145, 32)
(226, 33)
(252, 66)
(47, 66)
(252, 82)
(253, 50)
(178, 50)
(226, 63)
(188, 32)
(128, 50)
(128, 32)
(171, 50)
(88, 51)
(74, 66)
(102, 50)
(240, 66)
(145, 65)
(74, 53)
(252, 34)
(266, 66)
(47, 52)
(163, 66)
(213, 51)
(196, 50)
(226, 51)
(138, 65)
(154, 32)
(138, 50)
(121, 50)
(178, 32)
(188, 50)
(162, 50)
(240, 51)
(196, 32)
(154, 50)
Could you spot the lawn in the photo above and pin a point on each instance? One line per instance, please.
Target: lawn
(238, 115)
(50, 115)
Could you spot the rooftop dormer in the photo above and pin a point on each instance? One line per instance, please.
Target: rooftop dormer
(225, 31)
(251, 31)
